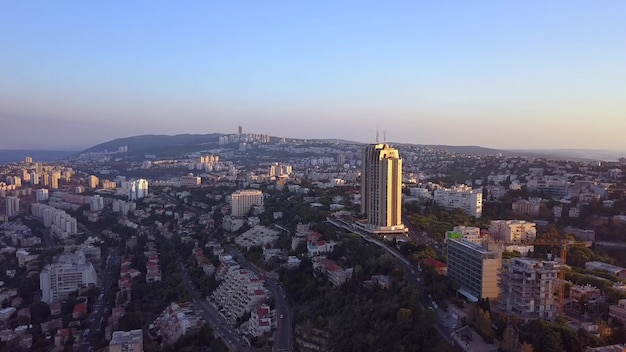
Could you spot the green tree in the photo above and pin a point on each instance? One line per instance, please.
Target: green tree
(404, 318)
(510, 340)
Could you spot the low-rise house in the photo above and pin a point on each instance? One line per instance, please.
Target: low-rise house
(6, 313)
(260, 321)
(336, 274)
(611, 269)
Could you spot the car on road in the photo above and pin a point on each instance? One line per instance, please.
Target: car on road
(281, 316)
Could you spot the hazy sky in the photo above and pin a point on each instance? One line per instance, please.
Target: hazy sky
(503, 74)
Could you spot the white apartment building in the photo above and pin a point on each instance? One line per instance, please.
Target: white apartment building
(14, 180)
(381, 189)
(469, 233)
(67, 275)
(96, 203)
(527, 288)
(475, 268)
(42, 194)
(12, 206)
(60, 223)
(461, 197)
(127, 341)
(513, 231)
(527, 207)
(34, 178)
(555, 188)
(136, 189)
(120, 206)
(239, 293)
(243, 200)
(177, 320)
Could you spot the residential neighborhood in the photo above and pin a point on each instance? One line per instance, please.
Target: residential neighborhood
(277, 246)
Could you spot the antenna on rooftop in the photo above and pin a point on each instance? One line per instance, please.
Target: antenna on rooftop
(385, 137)
(376, 134)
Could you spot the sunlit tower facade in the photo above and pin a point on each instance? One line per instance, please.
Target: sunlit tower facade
(381, 189)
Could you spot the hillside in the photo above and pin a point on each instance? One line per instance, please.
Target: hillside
(152, 143)
(183, 143)
(14, 156)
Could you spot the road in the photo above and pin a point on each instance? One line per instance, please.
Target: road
(100, 306)
(411, 275)
(422, 237)
(221, 328)
(283, 336)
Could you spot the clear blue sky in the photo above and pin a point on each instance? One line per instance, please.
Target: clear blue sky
(504, 74)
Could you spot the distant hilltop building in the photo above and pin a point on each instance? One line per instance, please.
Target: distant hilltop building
(279, 170)
(461, 197)
(381, 190)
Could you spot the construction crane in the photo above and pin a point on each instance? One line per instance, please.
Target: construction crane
(564, 245)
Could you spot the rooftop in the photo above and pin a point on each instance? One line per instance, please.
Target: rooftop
(126, 337)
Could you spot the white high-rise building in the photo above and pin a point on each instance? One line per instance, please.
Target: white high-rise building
(25, 175)
(242, 200)
(381, 189)
(138, 189)
(60, 279)
(135, 189)
(14, 180)
(13, 206)
(60, 223)
(280, 170)
(34, 178)
(42, 194)
(54, 180)
(461, 197)
(93, 181)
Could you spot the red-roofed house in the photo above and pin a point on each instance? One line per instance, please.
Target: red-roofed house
(125, 282)
(440, 267)
(80, 311)
(336, 274)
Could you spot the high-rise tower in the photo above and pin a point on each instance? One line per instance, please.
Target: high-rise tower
(381, 189)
